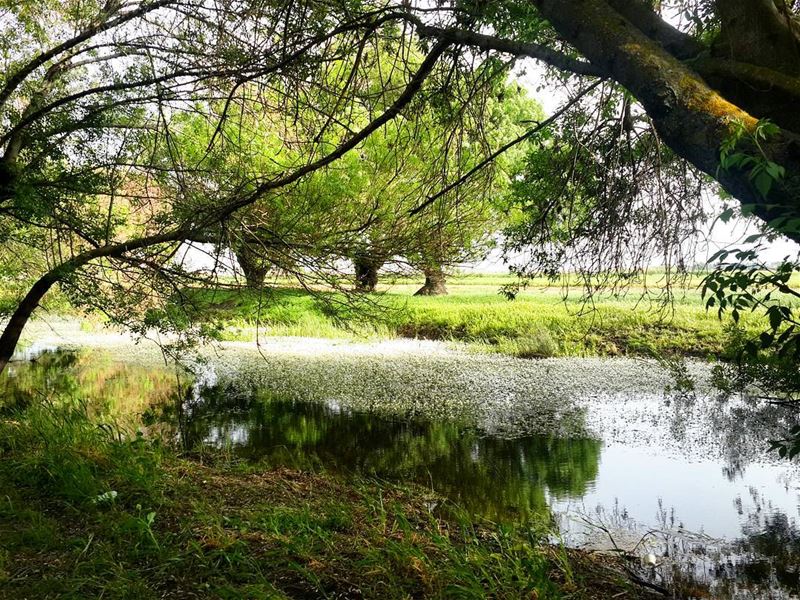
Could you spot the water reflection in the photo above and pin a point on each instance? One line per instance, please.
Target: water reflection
(112, 387)
(498, 478)
(692, 470)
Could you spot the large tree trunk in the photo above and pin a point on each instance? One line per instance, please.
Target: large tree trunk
(755, 31)
(691, 117)
(254, 266)
(366, 269)
(434, 282)
(15, 325)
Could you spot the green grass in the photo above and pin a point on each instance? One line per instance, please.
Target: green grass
(539, 323)
(210, 528)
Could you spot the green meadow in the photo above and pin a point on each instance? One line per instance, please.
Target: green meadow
(544, 319)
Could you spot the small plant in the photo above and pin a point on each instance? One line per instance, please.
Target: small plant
(144, 523)
(788, 447)
(679, 372)
(540, 344)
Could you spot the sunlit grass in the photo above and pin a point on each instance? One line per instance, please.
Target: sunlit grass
(543, 320)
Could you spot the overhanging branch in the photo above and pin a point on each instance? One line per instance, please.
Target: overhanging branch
(504, 148)
(486, 42)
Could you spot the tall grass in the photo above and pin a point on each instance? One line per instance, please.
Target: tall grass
(53, 446)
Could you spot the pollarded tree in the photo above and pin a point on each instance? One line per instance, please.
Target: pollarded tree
(466, 203)
(371, 195)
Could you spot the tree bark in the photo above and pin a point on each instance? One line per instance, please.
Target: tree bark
(254, 266)
(434, 282)
(23, 312)
(642, 15)
(366, 269)
(756, 32)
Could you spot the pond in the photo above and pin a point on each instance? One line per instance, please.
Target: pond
(597, 448)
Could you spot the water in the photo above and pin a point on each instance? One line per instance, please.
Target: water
(595, 446)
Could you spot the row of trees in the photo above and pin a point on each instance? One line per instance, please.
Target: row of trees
(130, 126)
(374, 192)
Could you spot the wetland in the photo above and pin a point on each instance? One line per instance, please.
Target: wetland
(602, 455)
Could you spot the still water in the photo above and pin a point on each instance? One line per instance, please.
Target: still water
(597, 448)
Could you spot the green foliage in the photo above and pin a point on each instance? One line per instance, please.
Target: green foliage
(600, 195)
(746, 285)
(788, 447)
(54, 445)
(742, 282)
(743, 150)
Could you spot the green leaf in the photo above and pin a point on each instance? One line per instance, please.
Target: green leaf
(775, 170)
(775, 317)
(766, 339)
(720, 255)
(752, 238)
(763, 183)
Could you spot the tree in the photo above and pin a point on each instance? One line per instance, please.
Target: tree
(728, 65)
(91, 89)
(467, 204)
(90, 161)
(399, 167)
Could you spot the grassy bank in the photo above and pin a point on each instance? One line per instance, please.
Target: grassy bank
(90, 512)
(539, 323)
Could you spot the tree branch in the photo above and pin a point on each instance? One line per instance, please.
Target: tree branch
(504, 148)
(22, 73)
(390, 113)
(530, 50)
(642, 16)
(690, 116)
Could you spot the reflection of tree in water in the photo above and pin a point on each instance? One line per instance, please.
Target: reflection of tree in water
(762, 563)
(110, 387)
(492, 476)
(25, 383)
(739, 427)
(771, 550)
